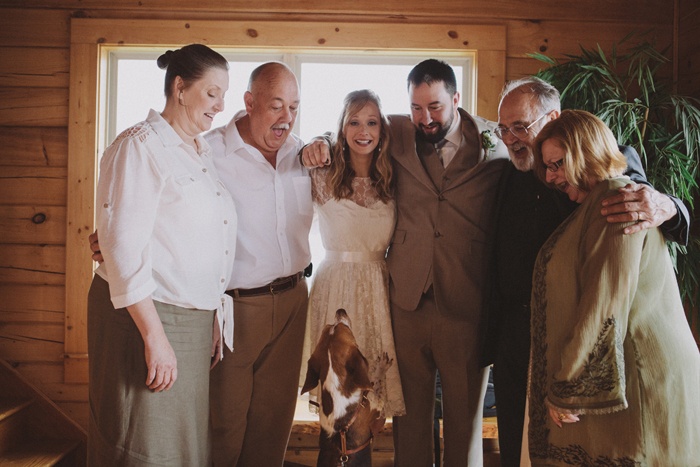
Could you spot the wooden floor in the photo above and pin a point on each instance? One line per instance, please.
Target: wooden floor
(302, 450)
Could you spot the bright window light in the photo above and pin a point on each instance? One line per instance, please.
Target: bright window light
(135, 85)
(325, 84)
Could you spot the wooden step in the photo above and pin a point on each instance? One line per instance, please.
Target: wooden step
(33, 430)
(12, 405)
(302, 449)
(38, 453)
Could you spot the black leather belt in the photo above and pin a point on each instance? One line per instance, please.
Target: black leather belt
(276, 286)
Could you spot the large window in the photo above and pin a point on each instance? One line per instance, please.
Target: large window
(135, 84)
(337, 49)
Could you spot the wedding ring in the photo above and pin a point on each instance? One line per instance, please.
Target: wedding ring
(561, 417)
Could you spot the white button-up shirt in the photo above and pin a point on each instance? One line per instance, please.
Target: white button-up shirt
(167, 224)
(274, 206)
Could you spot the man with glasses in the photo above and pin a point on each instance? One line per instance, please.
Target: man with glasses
(527, 212)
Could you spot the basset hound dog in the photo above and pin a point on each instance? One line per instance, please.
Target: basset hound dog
(348, 420)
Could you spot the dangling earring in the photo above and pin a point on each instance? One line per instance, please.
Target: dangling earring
(378, 149)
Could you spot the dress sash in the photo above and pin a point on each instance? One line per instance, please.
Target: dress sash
(355, 256)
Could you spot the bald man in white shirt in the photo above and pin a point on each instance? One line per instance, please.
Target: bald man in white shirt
(254, 387)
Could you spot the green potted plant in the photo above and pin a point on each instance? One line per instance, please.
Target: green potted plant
(629, 91)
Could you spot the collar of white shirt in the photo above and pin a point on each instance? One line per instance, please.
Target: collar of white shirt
(454, 135)
(169, 136)
(450, 144)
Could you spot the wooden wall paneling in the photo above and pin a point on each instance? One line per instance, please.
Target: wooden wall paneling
(41, 225)
(65, 393)
(34, 107)
(79, 412)
(689, 72)
(34, 146)
(689, 48)
(31, 299)
(51, 333)
(31, 27)
(28, 303)
(327, 35)
(42, 372)
(584, 10)
(33, 185)
(521, 67)
(34, 67)
(32, 264)
(31, 343)
(491, 72)
(75, 368)
(82, 145)
(556, 38)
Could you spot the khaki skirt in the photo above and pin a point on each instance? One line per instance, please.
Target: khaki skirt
(129, 424)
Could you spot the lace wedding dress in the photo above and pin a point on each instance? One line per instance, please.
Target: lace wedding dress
(353, 275)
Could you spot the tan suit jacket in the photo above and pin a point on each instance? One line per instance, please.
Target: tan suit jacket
(445, 221)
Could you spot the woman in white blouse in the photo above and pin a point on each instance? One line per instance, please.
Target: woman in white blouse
(167, 233)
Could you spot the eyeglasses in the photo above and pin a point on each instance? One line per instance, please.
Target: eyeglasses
(554, 166)
(517, 130)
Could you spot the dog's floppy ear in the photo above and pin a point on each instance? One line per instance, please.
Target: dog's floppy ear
(315, 366)
(358, 369)
(313, 374)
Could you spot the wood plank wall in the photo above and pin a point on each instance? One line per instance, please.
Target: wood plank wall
(689, 48)
(34, 81)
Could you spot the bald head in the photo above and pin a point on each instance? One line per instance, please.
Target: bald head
(271, 102)
(268, 75)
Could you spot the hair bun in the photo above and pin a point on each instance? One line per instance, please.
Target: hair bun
(164, 60)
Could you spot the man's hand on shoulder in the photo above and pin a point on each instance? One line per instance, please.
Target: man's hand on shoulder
(640, 204)
(316, 154)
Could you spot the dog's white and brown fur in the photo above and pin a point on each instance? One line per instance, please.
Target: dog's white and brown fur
(346, 412)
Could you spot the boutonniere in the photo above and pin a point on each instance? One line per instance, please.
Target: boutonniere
(488, 142)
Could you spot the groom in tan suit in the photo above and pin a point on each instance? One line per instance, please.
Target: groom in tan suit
(445, 186)
(446, 170)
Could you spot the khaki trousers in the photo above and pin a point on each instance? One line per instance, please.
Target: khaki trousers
(426, 341)
(253, 391)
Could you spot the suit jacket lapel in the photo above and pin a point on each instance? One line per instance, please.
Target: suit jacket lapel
(469, 156)
(431, 163)
(406, 155)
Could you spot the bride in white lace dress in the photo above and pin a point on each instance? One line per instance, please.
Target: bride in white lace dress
(356, 215)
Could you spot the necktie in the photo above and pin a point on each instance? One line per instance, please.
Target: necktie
(439, 150)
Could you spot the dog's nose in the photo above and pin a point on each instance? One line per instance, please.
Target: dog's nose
(341, 317)
(341, 314)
